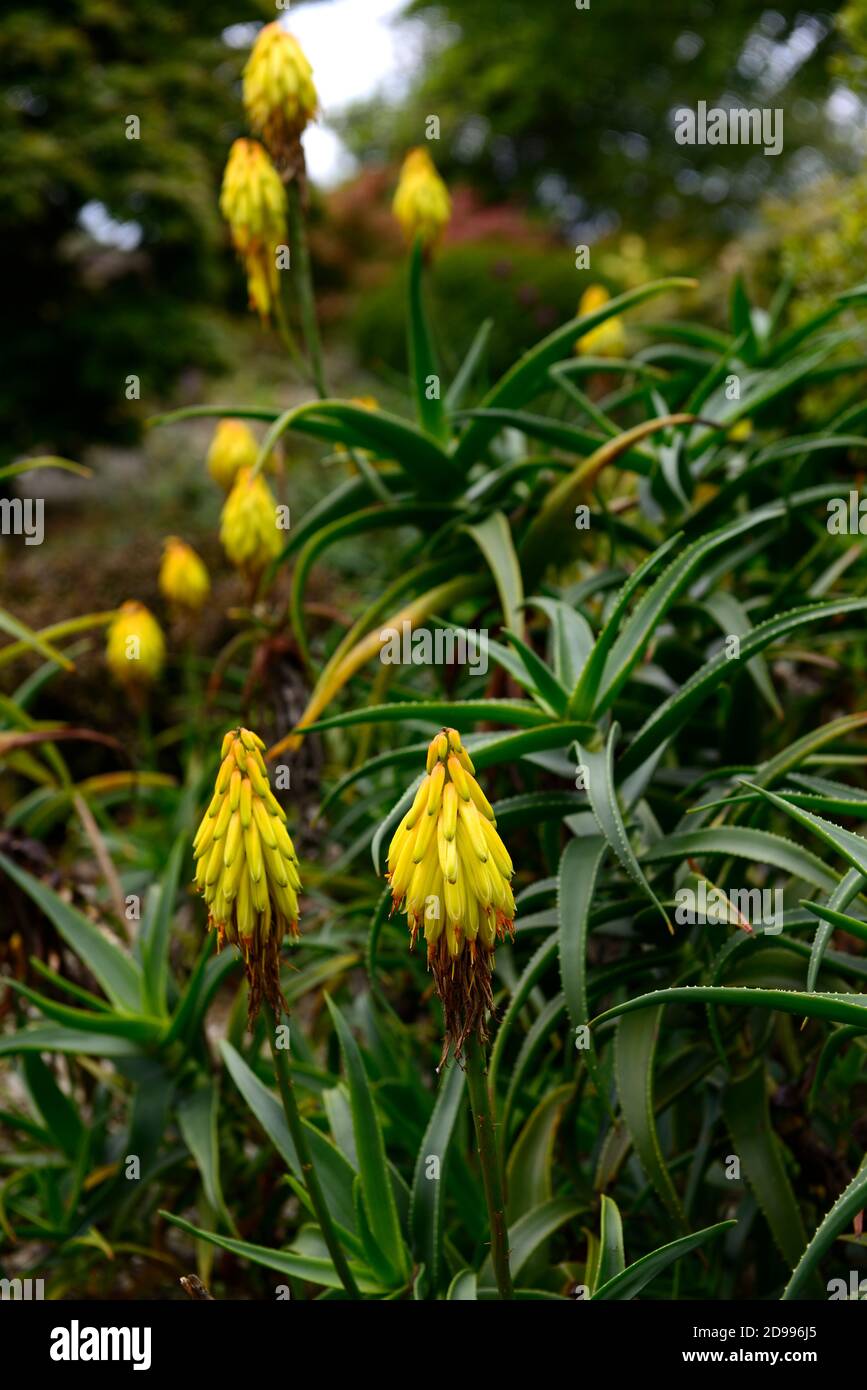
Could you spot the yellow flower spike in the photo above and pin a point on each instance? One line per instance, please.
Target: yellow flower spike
(276, 866)
(498, 850)
(279, 95)
(135, 648)
(264, 823)
(449, 873)
(419, 804)
(274, 807)
(183, 578)
(435, 789)
(425, 834)
(481, 802)
(232, 448)
(253, 851)
(253, 202)
(248, 527)
(259, 778)
(246, 871)
(448, 854)
(609, 339)
(450, 811)
(472, 822)
(233, 841)
(231, 880)
(221, 821)
(421, 204)
(460, 777)
(204, 836)
(227, 767)
(466, 762)
(214, 864)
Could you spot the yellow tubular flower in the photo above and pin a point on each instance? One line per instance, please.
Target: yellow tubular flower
(279, 95)
(248, 527)
(136, 648)
(609, 339)
(183, 578)
(232, 448)
(253, 202)
(449, 872)
(421, 204)
(247, 868)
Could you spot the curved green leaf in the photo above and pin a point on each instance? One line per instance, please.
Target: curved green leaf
(117, 973)
(635, 1051)
(428, 1193)
(612, 1260)
(847, 1207)
(297, 1266)
(668, 717)
(377, 1193)
(606, 808)
(637, 1275)
(745, 1106)
(833, 1008)
(494, 539)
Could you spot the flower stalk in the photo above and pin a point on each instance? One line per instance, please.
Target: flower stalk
(306, 297)
(302, 1149)
(489, 1159)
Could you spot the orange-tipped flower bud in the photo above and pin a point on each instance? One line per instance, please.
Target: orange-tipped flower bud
(232, 448)
(136, 649)
(449, 872)
(253, 202)
(279, 95)
(248, 527)
(183, 579)
(246, 866)
(421, 204)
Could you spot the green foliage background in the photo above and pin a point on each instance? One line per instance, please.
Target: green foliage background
(78, 318)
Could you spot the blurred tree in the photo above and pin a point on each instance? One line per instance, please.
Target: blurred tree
(814, 238)
(115, 119)
(573, 107)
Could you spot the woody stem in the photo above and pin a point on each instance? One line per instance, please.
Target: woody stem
(302, 1150)
(480, 1104)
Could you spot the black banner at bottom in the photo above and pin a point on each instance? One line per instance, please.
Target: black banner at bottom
(70, 1339)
